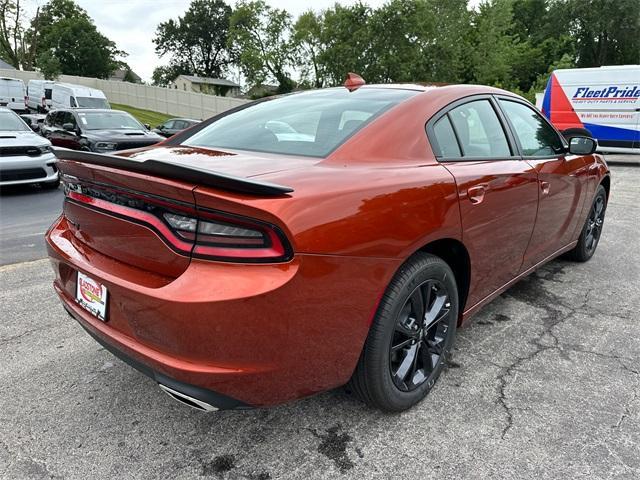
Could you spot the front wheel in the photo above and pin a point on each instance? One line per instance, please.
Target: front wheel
(592, 229)
(411, 336)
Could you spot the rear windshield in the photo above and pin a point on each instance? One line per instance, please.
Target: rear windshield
(310, 123)
(92, 102)
(10, 122)
(113, 120)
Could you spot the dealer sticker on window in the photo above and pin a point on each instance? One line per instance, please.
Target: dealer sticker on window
(92, 296)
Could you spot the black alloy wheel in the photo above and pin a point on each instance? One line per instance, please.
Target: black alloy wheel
(417, 348)
(411, 336)
(592, 229)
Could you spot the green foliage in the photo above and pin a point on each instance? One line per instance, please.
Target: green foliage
(65, 31)
(196, 42)
(49, 65)
(606, 31)
(263, 38)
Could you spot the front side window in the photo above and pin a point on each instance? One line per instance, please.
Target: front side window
(536, 136)
(310, 123)
(479, 131)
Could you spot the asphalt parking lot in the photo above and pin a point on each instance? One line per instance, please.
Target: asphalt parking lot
(544, 384)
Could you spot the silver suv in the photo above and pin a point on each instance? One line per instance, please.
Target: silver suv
(25, 157)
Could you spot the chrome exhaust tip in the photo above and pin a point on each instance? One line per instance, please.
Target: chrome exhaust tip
(187, 400)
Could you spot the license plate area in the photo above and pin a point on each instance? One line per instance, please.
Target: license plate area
(92, 296)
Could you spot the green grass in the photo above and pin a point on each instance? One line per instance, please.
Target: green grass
(144, 116)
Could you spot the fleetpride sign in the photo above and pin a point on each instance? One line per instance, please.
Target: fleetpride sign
(612, 93)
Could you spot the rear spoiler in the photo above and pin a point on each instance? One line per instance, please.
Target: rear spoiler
(175, 171)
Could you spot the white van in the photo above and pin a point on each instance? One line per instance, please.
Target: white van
(67, 95)
(39, 95)
(601, 102)
(12, 94)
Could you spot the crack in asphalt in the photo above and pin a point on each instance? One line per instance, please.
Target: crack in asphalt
(532, 292)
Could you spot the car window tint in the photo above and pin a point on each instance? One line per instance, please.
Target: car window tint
(310, 123)
(446, 139)
(180, 124)
(536, 136)
(169, 124)
(479, 130)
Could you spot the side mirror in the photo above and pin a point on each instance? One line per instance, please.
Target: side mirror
(147, 126)
(160, 127)
(582, 145)
(69, 127)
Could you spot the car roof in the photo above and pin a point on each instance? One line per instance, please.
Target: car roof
(183, 118)
(84, 110)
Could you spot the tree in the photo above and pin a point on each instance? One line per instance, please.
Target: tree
(607, 32)
(49, 65)
(495, 47)
(165, 74)
(263, 38)
(196, 42)
(346, 42)
(66, 32)
(14, 45)
(307, 35)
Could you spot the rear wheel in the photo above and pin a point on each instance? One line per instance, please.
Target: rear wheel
(411, 336)
(592, 229)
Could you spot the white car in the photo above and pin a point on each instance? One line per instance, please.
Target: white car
(13, 94)
(25, 157)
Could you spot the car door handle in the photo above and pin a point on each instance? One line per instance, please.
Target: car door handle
(476, 194)
(545, 186)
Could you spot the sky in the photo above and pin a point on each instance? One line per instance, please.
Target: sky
(131, 24)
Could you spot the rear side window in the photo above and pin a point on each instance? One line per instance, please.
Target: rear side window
(537, 138)
(479, 131)
(310, 123)
(47, 93)
(446, 139)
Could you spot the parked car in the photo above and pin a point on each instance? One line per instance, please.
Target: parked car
(25, 157)
(67, 95)
(12, 94)
(603, 103)
(96, 130)
(239, 269)
(39, 95)
(174, 125)
(34, 120)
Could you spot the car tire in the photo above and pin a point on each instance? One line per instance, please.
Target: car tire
(50, 185)
(592, 229)
(381, 378)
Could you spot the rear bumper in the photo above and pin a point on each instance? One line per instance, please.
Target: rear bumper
(256, 335)
(20, 170)
(217, 400)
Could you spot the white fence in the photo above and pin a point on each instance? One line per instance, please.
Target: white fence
(165, 100)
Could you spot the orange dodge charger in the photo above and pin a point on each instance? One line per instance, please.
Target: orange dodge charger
(303, 242)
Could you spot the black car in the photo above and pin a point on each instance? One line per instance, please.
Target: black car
(34, 120)
(174, 125)
(96, 130)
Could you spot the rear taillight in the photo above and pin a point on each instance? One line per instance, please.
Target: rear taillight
(201, 233)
